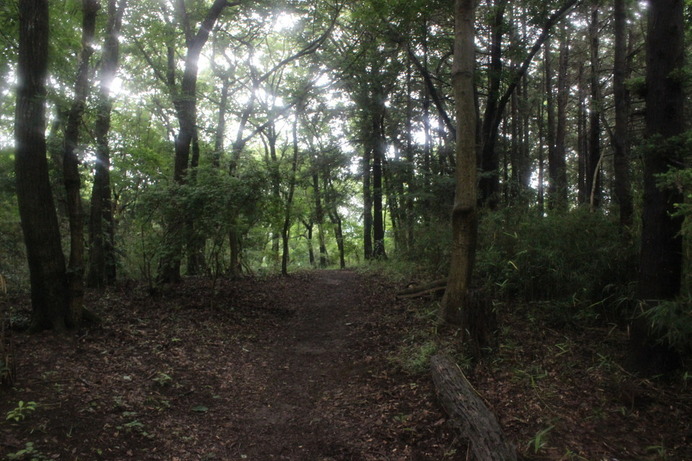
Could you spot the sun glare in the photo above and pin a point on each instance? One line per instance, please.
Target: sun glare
(285, 21)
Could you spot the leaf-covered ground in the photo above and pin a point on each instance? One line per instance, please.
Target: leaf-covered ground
(318, 366)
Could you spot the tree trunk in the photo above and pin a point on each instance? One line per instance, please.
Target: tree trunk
(101, 270)
(367, 202)
(468, 413)
(661, 261)
(621, 163)
(464, 214)
(582, 143)
(289, 200)
(185, 102)
(489, 184)
(550, 125)
(49, 290)
(593, 159)
(339, 235)
(560, 154)
(489, 136)
(319, 219)
(378, 250)
(75, 268)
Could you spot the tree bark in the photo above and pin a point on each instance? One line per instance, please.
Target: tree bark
(468, 413)
(490, 135)
(582, 143)
(71, 177)
(367, 201)
(661, 260)
(289, 200)
(621, 162)
(560, 154)
(550, 125)
(49, 290)
(593, 159)
(102, 268)
(489, 184)
(464, 214)
(185, 102)
(378, 250)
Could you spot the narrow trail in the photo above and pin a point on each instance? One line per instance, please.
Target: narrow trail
(310, 358)
(296, 368)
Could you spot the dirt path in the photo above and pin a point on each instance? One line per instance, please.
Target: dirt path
(296, 369)
(303, 364)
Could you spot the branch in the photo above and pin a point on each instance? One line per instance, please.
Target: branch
(308, 49)
(433, 91)
(554, 18)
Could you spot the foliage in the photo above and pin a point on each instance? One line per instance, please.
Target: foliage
(681, 179)
(20, 412)
(671, 323)
(539, 441)
(579, 258)
(29, 452)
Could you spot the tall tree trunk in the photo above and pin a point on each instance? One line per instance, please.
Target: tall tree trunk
(621, 163)
(75, 268)
(49, 290)
(319, 219)
(377, 163)
(311, 252)
(490, 134)
(101, 270)
(560, 154)
(489, 184)
(550, 126)
(289, 200)
(660, 265)
(464, 214)
(582, 134)
(185, 102)
(541, 162)
(367, 200)
(339, 235)
(593, 159)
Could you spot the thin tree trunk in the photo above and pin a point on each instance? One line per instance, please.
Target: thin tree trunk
(489, 184)
(319, 219)
(489, 136)
(102, 268)
(377, 196)
(593, 175)
(289, 200)
(621, 162)
(582, 143)
(560, 154)
(367, 201)
(75, 269)
(550, 126)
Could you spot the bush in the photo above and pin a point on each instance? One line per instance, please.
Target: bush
(578, 258)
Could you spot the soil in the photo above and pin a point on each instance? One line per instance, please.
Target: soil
(321, 365)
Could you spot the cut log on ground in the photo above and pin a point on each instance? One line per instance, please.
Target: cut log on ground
(468, 413)
(436, 286)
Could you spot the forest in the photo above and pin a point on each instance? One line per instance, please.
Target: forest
(301, 229)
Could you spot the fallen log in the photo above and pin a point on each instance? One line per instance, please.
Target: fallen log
(468, 413)
(422, 290)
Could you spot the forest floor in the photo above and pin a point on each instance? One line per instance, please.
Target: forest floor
(322, 365)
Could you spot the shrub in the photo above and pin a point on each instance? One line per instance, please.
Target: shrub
(578, 258)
